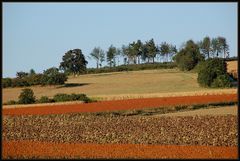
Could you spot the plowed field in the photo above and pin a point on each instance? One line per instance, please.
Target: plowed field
(45, 150)
(122, 104)
(67, 131)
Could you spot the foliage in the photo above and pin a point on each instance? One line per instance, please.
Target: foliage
(211, 69)
(21, 74)
(61, 97)
(221, 81)
(45, 99)
(111, 54)
(151, 50)
(133, 67)
(189, 56)
(205, 46)
(26, 96)
(98, 54)
(6, 82)
(52, 76)
(73, 62)
(11, 102)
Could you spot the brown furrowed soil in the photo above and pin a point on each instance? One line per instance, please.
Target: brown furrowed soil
(46, 150)
(122, 104)
(90, 128)
(85, 135)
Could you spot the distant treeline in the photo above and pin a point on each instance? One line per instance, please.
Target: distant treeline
(51, 76)
(132, 67)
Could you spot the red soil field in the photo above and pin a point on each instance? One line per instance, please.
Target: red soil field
(28, 149)
(121, 104)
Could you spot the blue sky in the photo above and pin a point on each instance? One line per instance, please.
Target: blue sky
(36, 35)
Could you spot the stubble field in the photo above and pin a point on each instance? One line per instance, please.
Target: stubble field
(125, 85)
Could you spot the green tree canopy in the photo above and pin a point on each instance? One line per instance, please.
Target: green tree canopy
(111, 54)
(73, 62)
(188, 57)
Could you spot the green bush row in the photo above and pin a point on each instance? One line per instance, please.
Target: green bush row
(27, 97)
(132, 67)
(51, 76)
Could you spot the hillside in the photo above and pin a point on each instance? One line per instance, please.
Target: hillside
(118, 85)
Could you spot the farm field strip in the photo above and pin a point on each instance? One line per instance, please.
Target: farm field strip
(45, 150)
(135, 84)
(121, 104)
(88, 128)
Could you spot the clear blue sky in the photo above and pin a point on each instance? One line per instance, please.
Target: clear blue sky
(36, 35)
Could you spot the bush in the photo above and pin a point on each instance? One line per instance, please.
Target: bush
(221, 81)
(211, 69)
(26, 96)
(61, 97)
(45, 99)
(6, 82)
(188, 57)
(132, 67)
(52, 77)
(75, 97)
(11, 102)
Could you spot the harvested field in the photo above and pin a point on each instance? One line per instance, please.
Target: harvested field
(121, 104)
(89, 136)
(46, 150)
(124, 85)
(89, 128)
(232, 68)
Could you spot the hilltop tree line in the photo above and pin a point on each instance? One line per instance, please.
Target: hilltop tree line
(138, 51)
(135, 53)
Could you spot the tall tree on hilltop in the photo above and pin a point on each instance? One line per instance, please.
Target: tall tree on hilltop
(164, 49)
(73, 62)
(111, 55)
(151, 50)
(205, 46)
(138, 49)
(98, 54)
(173, 51)
(216, 47)
(223, 45)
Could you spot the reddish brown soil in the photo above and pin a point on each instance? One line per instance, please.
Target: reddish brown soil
(30, 149)
(122, 104)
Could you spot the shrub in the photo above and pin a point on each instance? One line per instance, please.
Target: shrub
(211, 69)
(19, 82)
(45, 99)
(75, 97)
(61, 97)
(6, 82)
(26, 96)
(132, 67)
(11, 102)
(221, 81)
(52, 77)
(189, 56)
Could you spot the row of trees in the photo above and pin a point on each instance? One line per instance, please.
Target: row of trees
(215, 47)
(135, 52)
